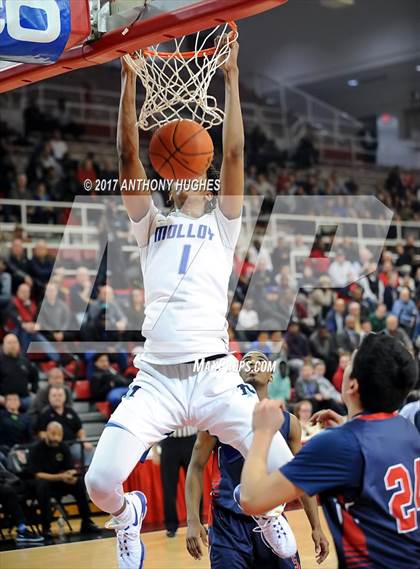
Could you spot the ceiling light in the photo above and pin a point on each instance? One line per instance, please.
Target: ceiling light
(353, 83)
(417, 67)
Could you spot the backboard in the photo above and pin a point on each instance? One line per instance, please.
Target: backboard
(119, 27)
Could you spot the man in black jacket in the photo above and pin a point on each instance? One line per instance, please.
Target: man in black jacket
(52, 465)
(16, 372)
(18, 265)
(106, 384)
(15, 427)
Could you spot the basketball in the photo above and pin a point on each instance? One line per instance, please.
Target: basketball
(181, 150)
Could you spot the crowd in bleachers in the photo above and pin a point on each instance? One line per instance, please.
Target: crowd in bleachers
(329, 318)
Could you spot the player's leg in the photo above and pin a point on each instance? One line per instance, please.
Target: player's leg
(145, 416)
(170, 463)
(223, 405)
(230, 541)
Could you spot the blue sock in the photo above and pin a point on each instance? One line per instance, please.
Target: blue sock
(21, 527)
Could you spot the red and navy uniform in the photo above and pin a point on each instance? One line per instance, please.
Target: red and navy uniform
(367, 473)
(233, 542)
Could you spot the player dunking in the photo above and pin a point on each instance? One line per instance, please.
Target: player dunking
(233, 539)
(366, 471)
(186, 260)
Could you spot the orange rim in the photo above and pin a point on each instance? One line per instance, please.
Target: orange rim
(188, 54)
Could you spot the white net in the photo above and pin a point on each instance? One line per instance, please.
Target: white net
(177, 81)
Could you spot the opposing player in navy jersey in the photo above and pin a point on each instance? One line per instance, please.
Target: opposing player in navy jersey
(186, 259)
(234, 541)
(366, 471)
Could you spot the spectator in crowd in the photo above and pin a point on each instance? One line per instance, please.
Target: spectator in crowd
(323, 345)
(306, 155)
(52, 465)
(392, 329)
(27, 329)
(15, 427)
(280, 255)
(297, 345)
(280, 388)
(337, 380)
(17, 373)
(366, 329)
(308, 387)
(40, 401)
(18, 265)
(69, 420)
(271, 308)
(59, 146)
(87, 171)
(248, 319)
(80, 294)
(378, 318)
(107, 320)
(134, 313)
(262, 344)
(106, 384)
(20, 189)
(405, 310)
(391, 293)
(341, 271)
(5, 288)
(327, 389)
(321, 299)
(40, 268)
(303, 411)
(349, 339)
(12, 507)
(373, 287)
(54, 318)
(355, 310)
(335, 319)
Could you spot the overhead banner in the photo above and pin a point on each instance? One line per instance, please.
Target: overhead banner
(34, 31)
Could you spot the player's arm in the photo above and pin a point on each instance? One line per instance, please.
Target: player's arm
(309, 504)
(137, 202)
(232, 171)
(193, 492)
(261, 491)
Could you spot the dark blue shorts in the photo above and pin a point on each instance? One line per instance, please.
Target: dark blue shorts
(234, 544)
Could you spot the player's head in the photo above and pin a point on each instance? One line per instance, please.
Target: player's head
(255, 369)
(380, 375)
(202, 194)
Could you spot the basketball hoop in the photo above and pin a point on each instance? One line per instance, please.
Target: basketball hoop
(177, 81)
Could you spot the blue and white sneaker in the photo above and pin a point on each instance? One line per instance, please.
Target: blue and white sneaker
(275, 530)
(130, 548)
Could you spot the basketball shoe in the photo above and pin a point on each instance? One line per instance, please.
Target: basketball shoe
(275, 530)
(130, 548)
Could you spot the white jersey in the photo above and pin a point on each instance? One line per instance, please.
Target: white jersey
(186, 264)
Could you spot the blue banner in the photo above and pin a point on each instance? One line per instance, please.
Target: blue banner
(34, 31)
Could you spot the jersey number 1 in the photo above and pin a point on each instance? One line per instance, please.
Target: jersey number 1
(403, 505)
(184, 260)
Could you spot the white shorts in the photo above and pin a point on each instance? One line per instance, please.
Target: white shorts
(163, 398)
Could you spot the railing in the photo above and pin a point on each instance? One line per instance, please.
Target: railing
(83, 236)
(292, 111)
(285, 116)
